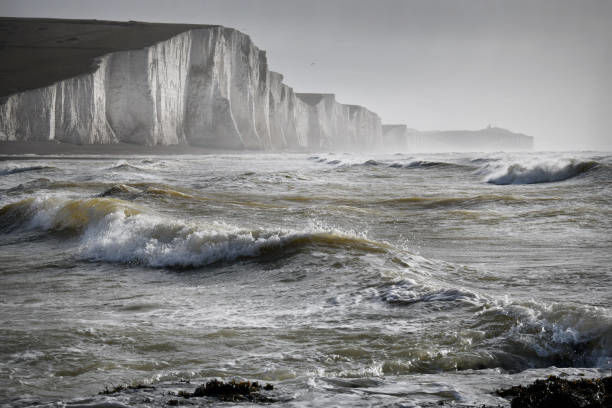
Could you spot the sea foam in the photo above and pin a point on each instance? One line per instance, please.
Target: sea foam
(114, 230)
(537, 171)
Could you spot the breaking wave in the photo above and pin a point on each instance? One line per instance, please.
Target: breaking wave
(522, 334)
(408, 293)
(14, 170)
(535, 334)
(113, 230)
(122, 165)
(130, 191)
(546, 171)
(423, 164)
(58, 214)
(426, 164)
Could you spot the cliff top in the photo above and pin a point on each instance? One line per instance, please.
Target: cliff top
(36, 52)
(356, 108)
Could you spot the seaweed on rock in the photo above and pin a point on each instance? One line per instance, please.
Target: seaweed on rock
(555, 392)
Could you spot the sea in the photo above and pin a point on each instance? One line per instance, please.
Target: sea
(348, 280)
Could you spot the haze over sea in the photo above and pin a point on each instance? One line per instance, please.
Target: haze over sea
(342, 279)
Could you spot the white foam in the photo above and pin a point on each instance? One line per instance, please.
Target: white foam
(113, 230)
(161, 242)
(533, 171)
(409, 292)
(557, 331)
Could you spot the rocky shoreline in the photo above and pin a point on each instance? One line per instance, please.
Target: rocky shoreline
(556, 392)
(551, 392)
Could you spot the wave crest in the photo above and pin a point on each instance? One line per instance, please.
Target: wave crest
(512, 335)
(59, 214)
(539, 171)
(14, 170)
(538, 334)
(408, 293)
(113, 230)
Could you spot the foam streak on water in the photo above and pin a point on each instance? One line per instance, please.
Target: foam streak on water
(345, 280)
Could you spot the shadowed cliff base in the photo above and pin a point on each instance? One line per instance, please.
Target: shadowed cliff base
(555, 392)
(115, 149)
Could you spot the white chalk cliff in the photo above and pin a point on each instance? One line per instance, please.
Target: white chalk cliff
(102, 82)
(207, 86)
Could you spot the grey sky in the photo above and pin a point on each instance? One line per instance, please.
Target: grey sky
(533, 66)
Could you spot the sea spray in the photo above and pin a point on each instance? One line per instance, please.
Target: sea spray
(538, 171)
(115, 230)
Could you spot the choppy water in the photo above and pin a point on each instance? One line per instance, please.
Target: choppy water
(342, 279)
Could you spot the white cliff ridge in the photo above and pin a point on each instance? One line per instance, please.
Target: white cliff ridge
(104, 82)
(206, 86)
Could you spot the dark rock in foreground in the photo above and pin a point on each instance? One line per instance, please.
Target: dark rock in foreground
(159, 396)
(555, 392)
(119, 388)
(231, 391)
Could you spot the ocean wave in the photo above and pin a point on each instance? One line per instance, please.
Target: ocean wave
(122, 165)
(114, 230)
(509, 334)
(532, 334)
(38, 183)
(332, 162)
(56, 213)
(484, 160)
(459, 202)
(424, 164)
(158, 242)
(167, 192)
(409, 293)
(131, 191)
(119, 190)
(13, 170)
(540, 171)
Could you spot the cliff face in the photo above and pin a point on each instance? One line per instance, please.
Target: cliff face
(207, 86)
(227, 100)
(73, 110)
(366, 128)
(287, 131)
(334, 126)
(145, 92)
(101, 82)
(204, 87)
(397, 138)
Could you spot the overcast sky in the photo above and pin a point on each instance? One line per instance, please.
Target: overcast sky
(540, 67)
